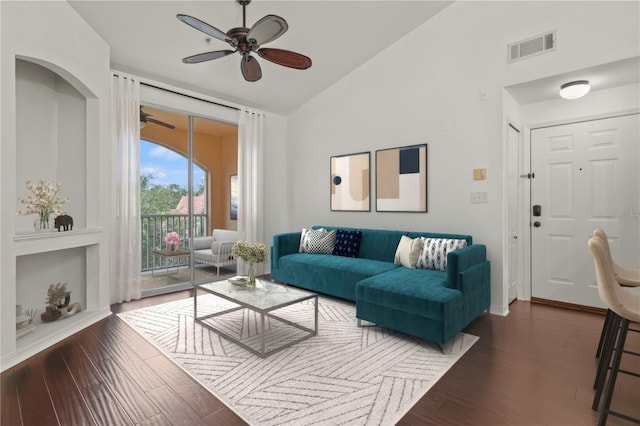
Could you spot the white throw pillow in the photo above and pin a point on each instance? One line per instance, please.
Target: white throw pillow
(408, 252)
(435, 250)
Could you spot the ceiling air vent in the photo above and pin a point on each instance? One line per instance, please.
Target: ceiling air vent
(533, 46)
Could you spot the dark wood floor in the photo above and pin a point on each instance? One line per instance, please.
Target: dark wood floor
(534, 367)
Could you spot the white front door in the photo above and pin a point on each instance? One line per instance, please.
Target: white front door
(586, 177)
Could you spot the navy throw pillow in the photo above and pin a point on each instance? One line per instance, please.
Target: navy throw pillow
(347, 243)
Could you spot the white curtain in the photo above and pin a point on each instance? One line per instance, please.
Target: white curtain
(126, 251)
(250, 178)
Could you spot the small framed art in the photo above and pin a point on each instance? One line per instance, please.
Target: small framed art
(351, 182)
(401, 179)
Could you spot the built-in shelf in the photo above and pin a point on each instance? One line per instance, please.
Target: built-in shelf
(21, 236)
(47, 332)
(58, 131)
(25, 244)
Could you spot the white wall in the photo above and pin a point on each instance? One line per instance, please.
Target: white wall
(51, 34)
(426, 89)
(276, 179)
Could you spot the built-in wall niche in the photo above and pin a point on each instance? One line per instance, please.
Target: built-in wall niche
(35, 272)
(51, 139)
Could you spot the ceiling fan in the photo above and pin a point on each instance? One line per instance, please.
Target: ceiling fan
(146, 118)
(246, 40)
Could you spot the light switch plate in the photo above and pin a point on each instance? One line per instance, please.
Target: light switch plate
(479, 174)
(479, 197)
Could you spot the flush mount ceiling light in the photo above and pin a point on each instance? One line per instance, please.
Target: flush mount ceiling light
(575, 89)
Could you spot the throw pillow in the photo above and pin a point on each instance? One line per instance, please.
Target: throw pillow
(347, 243)
(303, 238)
(318, 241)
(435, 250)
(408, 252)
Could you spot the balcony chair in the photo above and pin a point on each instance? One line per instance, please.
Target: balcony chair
(215, 250)
(624, 303)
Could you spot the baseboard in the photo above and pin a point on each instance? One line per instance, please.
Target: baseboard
(566, 305)
(502, 310)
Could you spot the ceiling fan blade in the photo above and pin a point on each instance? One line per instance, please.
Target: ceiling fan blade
(250, 67)
(208, 56)
(267, 29)
(143, 115)
(285, 58)
(161, 123)
(204, 27)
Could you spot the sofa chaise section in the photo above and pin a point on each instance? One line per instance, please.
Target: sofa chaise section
(426, 303)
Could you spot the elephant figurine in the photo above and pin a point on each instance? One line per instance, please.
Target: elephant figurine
(63, 222)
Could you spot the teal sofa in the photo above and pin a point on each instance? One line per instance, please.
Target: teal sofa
(430, 304)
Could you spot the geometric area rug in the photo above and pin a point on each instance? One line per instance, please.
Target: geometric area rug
(346, 375)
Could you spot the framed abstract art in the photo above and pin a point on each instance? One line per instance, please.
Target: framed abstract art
(401, 179)
(350, 182)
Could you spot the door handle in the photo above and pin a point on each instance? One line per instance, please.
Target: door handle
(537, 224)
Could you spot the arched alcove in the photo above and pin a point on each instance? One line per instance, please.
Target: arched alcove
(51, 138)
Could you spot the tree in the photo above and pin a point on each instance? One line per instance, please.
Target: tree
(200, 188)
(158, 199)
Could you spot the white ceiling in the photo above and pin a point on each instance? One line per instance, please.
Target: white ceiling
(605, 76)
(147, 40)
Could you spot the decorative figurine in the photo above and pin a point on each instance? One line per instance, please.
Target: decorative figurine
(57, 298)
(63, 221)
(50, 314)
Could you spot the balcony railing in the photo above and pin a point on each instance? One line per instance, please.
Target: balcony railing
(156, 226)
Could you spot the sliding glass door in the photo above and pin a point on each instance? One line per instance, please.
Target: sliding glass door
(184, 163)
(215, 150)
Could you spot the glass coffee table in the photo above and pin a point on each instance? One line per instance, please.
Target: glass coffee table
(263, 298)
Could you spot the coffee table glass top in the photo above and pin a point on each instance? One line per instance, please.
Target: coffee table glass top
(264, 295)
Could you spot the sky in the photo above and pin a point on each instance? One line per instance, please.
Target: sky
(166, 166)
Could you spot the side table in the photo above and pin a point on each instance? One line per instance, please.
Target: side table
(168, 254)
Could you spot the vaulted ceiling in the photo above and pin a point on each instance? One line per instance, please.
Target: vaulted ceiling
(147, 40)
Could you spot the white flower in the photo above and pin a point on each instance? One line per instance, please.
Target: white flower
(45, 200)
(250, 252)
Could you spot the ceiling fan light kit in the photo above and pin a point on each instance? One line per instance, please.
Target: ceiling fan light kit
(247, 40)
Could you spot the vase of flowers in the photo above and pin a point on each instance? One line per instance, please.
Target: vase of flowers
(44, 202)
(173, 240)
(250, 253)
